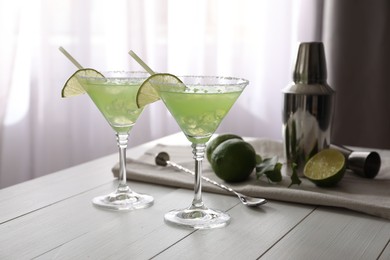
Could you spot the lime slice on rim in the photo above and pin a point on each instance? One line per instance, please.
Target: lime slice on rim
(149, 90)
(73, 87)
(325, 168)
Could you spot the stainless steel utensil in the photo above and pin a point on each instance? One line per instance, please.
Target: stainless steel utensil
(162, 159)
(308, 106)
(365, 164)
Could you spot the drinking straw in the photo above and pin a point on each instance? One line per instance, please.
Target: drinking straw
(141, 62)
(73, 60)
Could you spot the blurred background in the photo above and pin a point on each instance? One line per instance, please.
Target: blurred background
(256, 39)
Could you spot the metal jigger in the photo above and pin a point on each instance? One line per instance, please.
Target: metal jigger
(365, 164)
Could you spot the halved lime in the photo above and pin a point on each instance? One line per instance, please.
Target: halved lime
(73, 87)
(148, 92)
(325, 168)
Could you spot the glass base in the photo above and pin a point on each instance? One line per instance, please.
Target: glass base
(197, 218)
(123, 201)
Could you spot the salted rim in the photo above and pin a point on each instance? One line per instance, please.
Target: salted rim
(235, 81)
(125, 75)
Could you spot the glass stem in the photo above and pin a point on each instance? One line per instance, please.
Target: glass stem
(122, 145)
(198, 151)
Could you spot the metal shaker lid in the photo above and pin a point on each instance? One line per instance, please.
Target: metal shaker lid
(310, 66)
(310, 73)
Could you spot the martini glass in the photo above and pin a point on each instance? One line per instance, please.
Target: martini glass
(115, 96)
(199, 108)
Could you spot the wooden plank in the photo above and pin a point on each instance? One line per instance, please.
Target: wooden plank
(74, 229)
(385, 255)
(250, 234)
(48, 228)
(330, 233)
(146, 237)
(38, 193)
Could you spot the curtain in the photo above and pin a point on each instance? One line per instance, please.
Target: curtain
(357, 34)
(41, 133)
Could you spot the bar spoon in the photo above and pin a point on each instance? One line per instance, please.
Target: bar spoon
(162, 159)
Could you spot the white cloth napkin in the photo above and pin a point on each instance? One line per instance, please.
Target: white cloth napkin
(370, 196)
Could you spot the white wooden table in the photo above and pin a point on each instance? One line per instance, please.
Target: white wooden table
(52, 218)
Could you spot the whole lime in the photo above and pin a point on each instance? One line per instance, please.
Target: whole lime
(233, 160)
(217, 141)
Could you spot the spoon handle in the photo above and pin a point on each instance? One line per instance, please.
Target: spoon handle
(246, 200)
(203, 177)
(162, 159)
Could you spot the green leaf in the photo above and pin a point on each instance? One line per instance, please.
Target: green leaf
(271, 168)
(276, 174)
(294, 176)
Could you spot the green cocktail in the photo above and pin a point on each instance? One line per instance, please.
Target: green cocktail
(198, 107)
(115, 97)
(199, 111)
(116, 100)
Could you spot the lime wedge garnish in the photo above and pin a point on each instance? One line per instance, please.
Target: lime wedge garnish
(325, 168)
(73, 87)
(149, 90)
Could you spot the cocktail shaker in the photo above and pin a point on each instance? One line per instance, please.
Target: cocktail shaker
(308, 106)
